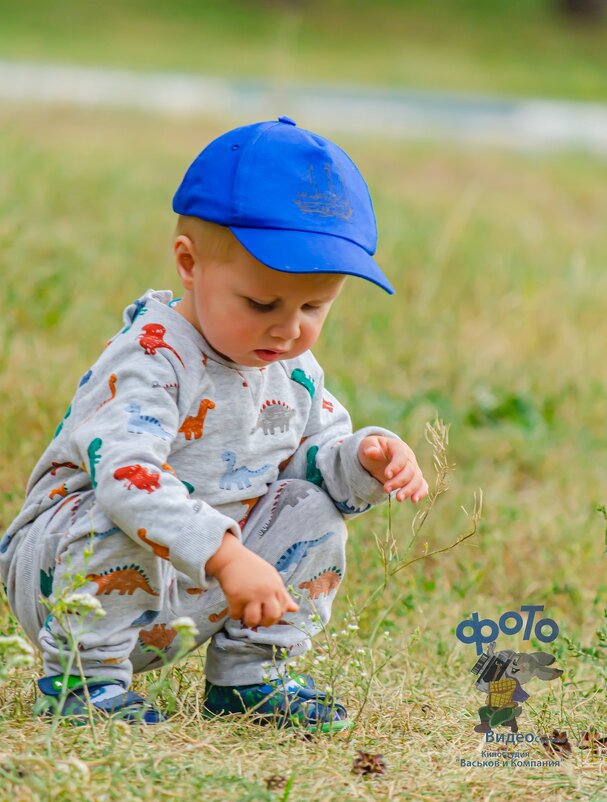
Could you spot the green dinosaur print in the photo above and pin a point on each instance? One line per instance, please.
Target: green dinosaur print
(299, 376)
(94, 457)
(60, 427)
(312, 473)
(190, 488)
(46, 582)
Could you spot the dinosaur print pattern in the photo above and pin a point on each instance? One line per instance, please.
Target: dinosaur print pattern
(323, 583)
(152, 338)
(145, 424)
(313, 475)
(159, 551)
(274, 415)
(328, 405)
(68, 412)
(249, 503)
(56, 465)
(192, 427)
(215, 617)
(85, 378)
(94, 457)
(158, 637)
(107, 533)
(146, 618)
(112, 387)
(140, 309)
(139, 477)
(60, 490)
(241, 475)
(299, 376)
(123, 581)
(46, 582)
(298, 551)
(288, 494)
(346, 509)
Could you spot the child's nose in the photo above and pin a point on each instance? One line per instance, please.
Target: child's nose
(286, 329)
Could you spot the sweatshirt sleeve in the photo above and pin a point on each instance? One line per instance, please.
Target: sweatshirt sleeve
(328, 454)
(124, 443)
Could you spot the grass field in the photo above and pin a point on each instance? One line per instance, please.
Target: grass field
(497, 327)
(508, 46)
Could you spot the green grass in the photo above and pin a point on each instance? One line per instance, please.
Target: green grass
(499, 265)
(507, 46)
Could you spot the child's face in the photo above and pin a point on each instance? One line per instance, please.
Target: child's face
(249, 313)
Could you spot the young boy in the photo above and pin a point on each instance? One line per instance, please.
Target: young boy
(202, 457)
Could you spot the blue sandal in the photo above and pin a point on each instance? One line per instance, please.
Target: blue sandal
(295, 702)
(127, 706)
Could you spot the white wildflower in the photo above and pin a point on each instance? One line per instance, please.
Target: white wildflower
(184, 626)
(353, 627)
(83, 603)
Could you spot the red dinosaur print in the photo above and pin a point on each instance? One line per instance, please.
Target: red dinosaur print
(250, 503)
(60, 490)
(193, 425)
(138, 476)
(322, 584)
(159, 551)
(152, 338)
(122, 580)
(327, 405)
(56, 465)
(158, 636)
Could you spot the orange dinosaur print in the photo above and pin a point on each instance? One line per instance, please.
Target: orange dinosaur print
(322, 584)
(122, 580)
(326, 404)
(159, 636)
(195, 591)
(56, 465)
(112, 385)
(193, 425)
(113, 661)
(215, 617)
(139, 477)
(152, 338)
(166, 467)
(205, 359)
(250, 503)
(159, 551)
(60, 490)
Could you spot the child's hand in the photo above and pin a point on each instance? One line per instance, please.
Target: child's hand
(253, 588)
(393, 463)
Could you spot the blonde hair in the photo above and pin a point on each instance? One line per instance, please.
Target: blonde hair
(211, 240)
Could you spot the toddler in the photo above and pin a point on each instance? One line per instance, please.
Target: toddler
(202, 460)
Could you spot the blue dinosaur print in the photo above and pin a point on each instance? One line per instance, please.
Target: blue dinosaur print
(145, 424)
(346, 509)
(94, 457)
(298, 551)
(65, 417)
(145, 618)
(5, 542)
(241, 475)
(299, 376)
(85, 378)
(108, 533)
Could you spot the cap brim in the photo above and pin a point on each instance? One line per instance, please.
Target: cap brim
(307, 252)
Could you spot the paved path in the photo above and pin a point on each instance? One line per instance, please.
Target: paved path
(518, 122)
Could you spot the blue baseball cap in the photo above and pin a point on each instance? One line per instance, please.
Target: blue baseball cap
(293, 199)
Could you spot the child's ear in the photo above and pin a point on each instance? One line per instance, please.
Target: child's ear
(184, 251)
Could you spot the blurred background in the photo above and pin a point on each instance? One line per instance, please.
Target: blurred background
(480, 127)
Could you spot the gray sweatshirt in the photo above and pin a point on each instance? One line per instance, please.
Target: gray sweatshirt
(178, 443)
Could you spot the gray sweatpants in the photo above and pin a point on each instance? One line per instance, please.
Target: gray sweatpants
(295, 527)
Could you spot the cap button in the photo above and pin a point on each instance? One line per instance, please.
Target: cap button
(286, 120)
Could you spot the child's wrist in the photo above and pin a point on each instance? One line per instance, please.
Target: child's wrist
(229, 549)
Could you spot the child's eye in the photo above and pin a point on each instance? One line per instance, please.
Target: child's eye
(260, 307)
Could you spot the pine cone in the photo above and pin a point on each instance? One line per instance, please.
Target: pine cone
(593, 741)
(275, 782)
(366, 763)
(557, 743)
